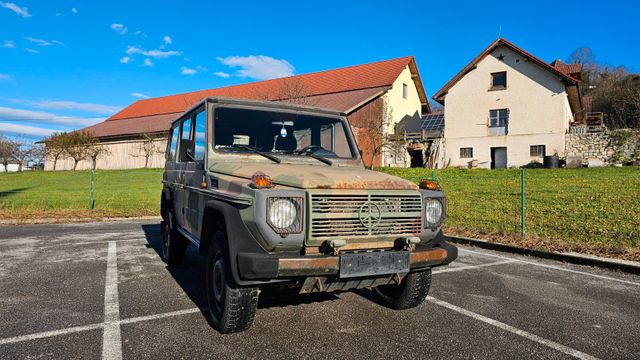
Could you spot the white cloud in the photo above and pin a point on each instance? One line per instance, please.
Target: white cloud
(125, 60)
(167, 40)
(140, 33)
(5, 77)
(31, 51)
(74, 10)
(22, 11)
(222, 74)
(190, 71)
(38, 42)
(147, 62)
(57, 42)
(9, 44)
(187, 71)
(140, 95)
(258, 67)
(11, 114)
(70, 105)
(119, 28)
(156, 54)
(18, 129)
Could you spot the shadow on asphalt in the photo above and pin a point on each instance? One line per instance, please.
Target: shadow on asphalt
(190, 276)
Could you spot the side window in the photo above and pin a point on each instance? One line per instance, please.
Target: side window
(200, 128)
(175, 133)
(186, 144)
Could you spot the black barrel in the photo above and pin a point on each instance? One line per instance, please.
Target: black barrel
(551, 162)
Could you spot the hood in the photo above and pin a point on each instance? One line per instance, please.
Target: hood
(305, 176)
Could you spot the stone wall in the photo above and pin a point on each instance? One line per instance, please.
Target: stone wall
(607, 147)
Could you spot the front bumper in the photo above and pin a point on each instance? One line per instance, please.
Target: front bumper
(254, 266)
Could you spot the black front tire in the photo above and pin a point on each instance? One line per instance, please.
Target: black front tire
(411, 292)
(173, 245)
(232, 308)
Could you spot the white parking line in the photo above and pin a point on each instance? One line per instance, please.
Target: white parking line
(82, 328)
(527, 335)
(550, 267)
(467, 267)
(111, 338)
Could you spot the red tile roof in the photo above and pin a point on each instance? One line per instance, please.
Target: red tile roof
(359, 77)
(574, 70)
(342, 101)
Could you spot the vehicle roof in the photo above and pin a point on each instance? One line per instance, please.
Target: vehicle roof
(266, 105)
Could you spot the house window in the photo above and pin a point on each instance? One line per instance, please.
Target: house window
(498, 122)
(537, 150)
(466, 153)
(405, 90)
(499, 80)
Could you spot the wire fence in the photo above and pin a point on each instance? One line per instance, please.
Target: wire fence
(586, 206)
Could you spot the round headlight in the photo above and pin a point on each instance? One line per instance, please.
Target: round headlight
(282, 213)
(433, 211)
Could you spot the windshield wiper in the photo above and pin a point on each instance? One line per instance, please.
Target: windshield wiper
(255, 151)
(320, 158)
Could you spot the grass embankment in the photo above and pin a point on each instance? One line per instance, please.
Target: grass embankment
(65, 194)
(585, 210)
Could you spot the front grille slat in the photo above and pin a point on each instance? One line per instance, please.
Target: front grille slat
(339, 215)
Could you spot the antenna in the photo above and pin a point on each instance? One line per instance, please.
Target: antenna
(500, 31)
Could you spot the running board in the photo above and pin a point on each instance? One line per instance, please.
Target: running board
(188, 236)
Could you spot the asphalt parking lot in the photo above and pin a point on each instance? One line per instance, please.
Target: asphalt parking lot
(100, 290)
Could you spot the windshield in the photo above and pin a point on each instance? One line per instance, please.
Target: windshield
(280, 134)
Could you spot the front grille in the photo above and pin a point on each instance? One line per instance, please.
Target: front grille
(341, 215)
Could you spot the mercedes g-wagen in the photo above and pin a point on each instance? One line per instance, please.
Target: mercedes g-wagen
(276, 194)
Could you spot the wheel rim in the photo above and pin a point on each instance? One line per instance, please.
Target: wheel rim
(166, 240)
(218, 281)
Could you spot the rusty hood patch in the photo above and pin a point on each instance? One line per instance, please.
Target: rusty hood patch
(305, 176)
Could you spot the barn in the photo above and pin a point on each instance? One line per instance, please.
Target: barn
(136, 136)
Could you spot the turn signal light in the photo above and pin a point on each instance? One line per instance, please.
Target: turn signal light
(260, 180)
(429, 185)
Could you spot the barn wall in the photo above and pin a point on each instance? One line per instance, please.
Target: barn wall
(122, 155)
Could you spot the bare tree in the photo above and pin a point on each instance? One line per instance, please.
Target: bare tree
(22, 154)
(8, 149)
(94, 149)
(371, 129)
(37, 154)
(292, 90)
(148, 147)
(56, 146)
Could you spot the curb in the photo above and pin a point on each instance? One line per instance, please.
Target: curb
(630, 267)
(73, 220)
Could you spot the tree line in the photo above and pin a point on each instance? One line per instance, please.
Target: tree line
(76, 145)
(613, 89)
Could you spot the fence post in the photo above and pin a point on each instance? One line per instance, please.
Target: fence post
(522, 203)
(433, 175)
(91, 199)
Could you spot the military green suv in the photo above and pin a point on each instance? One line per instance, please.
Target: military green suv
(276, 194)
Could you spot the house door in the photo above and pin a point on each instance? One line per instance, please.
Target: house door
(499, 158)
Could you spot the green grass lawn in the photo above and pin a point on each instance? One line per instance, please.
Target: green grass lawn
(597, 207)
(595, 210)
(66, 193)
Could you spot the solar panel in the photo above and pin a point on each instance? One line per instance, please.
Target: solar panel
(433, 122)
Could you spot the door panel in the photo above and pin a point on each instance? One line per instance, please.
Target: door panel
(499, 158)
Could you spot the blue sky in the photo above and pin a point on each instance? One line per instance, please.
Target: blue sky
(68, 64)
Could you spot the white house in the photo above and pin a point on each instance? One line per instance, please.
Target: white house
(507, 108)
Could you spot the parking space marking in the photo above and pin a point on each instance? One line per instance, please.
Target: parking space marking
(76, 329)
(51, 333)
(525, 334)
(111, 337)
(550, 267)
(467, 267)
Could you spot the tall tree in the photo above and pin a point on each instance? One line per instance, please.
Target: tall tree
(8, 150)
(148, 147)
(56, 146)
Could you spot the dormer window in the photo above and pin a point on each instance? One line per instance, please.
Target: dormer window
(499, 80)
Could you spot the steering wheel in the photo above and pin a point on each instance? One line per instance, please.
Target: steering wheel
(310, 149)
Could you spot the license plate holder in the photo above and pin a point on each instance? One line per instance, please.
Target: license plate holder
(376, 263)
